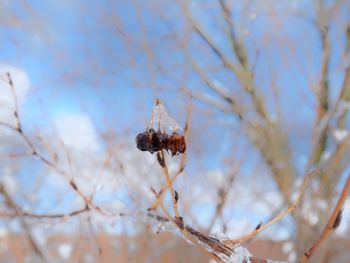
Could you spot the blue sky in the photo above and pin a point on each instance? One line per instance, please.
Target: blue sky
(77, 61)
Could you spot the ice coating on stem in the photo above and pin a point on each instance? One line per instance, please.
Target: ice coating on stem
(162, 121)
(240, 255)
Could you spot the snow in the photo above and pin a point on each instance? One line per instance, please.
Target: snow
(340, 134)
(287, 247)
(292, 257)
(308, 212)
(240, 255)
(65, 250)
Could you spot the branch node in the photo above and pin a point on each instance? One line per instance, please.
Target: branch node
(338, 219)
(75, 187)
(179, 222)
(258, 226)
(176, 196)
(160, 160)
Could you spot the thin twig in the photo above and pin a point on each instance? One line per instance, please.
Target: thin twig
(182, 161)
(41, 157)
(183, 230)
(261, 228)
(169, 183)
(332, 224)
(11, 204)
(43, 216)
(223, 192)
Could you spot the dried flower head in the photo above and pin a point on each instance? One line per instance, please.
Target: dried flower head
(166, 136)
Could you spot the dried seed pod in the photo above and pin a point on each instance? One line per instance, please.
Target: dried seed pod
(176, 144)
(153, 141)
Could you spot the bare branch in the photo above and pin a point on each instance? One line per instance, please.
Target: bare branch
(262, 227)
(332, 224)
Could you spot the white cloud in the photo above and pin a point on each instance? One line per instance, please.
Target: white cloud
(77, 132)
(79, 136)
(21, 83)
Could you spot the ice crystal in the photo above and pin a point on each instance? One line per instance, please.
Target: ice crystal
(161, 120)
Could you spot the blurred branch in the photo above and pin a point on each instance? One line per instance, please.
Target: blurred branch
(211, 101)
(182, 229)
(244, 75)
(261, 227)
(216, 249)
(333, 222)
(323, 95)
(209, 40)
(324, 113)
(173, 194)
(345, 93)
(265, 135)
(236, 46)
(273, 145)
(13, 206)
(182, 163)
(35, 153)
(333, 167)
(213, 247)
(325, 116)
(220, 90)
(222, 193)
(43, 216)
(151, 67)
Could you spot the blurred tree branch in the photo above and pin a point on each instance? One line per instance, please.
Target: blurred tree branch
(333, 222)
(266, 135)
(10, 203)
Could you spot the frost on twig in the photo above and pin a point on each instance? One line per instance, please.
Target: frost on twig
(240, 254)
